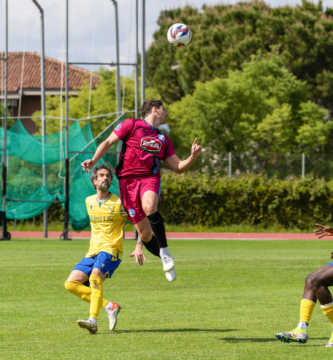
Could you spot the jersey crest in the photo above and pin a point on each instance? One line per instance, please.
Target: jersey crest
(161, 137)
(151, 145)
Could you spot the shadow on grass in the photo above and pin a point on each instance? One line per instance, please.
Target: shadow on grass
(237, 340)
(164, 331)
(262, 340)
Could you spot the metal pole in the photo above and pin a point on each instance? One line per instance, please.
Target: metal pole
(143, 54)
(303, 165)
(118, 87)
(100, 63)
(5, 234)
(43, 119)
(64, 235)
(137, 58)
(118, 95)
(230, 165)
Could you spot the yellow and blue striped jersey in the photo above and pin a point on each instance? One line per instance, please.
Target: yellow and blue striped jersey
(107, 221)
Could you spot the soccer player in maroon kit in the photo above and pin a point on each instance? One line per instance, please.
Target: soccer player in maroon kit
(140, 178)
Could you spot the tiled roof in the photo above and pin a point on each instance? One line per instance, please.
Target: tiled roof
(31, 77)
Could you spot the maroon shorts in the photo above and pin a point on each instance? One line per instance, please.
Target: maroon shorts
(131, 192)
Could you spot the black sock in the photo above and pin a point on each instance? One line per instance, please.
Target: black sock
(152, 246)
(157, 224)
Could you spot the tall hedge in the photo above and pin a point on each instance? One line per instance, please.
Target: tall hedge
(248, 199)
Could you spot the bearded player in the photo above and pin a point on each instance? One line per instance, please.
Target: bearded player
(316, 287)
(139, 176)
(107, 219)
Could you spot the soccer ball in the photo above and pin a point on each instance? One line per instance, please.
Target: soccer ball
(179, 35)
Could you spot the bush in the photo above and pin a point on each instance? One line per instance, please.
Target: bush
(250, 199)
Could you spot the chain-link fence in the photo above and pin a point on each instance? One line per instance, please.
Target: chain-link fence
(280, 166)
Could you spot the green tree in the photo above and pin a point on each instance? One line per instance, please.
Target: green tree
(103, 101)
(10, 120)
(224, 36)
(255, 113)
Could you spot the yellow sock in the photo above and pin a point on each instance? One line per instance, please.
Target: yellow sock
(96, 295)
(82, 291)
(328, 311)
(306, 309)
(104, 303)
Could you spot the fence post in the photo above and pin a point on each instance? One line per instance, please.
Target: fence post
(230, 165)
(303, 165)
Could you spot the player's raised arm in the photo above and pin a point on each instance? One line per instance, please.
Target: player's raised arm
(323, 231)
(180, 166)
(100, 152)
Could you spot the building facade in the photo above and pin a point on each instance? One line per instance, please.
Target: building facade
(24, 83)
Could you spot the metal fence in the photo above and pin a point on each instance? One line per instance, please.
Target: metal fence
(281, 166)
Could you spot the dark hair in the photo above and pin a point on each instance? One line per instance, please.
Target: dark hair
(105, 165)
(148, 105)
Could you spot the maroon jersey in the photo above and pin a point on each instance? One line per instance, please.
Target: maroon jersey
(143, 147)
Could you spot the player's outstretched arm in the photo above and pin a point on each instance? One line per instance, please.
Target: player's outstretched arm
(100, 152)
(180, 166)
(138, 253)
(323, 231)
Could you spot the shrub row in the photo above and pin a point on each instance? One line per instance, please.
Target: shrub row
(248, 199)
(200, 199)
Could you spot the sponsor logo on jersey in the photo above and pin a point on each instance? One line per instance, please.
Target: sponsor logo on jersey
(118, 127)
(131, 212)
(161, 137)
(110, 209)
(101, 218)
(151, 145)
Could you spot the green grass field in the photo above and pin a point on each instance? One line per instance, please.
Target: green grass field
(227, 303)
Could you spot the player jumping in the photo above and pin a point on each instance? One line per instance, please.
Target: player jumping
(316, 287)
(139, 176)
(107, 219)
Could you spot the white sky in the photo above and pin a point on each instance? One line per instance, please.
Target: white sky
(24, 26)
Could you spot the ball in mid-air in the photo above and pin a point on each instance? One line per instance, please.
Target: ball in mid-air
(179, 35)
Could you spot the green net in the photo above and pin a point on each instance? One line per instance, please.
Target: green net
(25, 157)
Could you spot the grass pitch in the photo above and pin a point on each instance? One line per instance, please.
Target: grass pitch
(227, 303)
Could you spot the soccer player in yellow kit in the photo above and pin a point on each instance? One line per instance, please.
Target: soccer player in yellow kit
(316, 288)
(107, 219)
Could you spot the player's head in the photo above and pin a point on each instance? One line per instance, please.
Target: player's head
(101, 176)
(154, 108)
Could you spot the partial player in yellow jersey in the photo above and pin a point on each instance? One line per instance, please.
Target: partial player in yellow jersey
(107, 219)
(316, 288)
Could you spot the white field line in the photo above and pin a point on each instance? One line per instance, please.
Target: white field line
(220, 239)
(252, 239)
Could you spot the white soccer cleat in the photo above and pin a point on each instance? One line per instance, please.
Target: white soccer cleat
(112, 315)
(171, 275)
(168, 262)
(86, 324)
